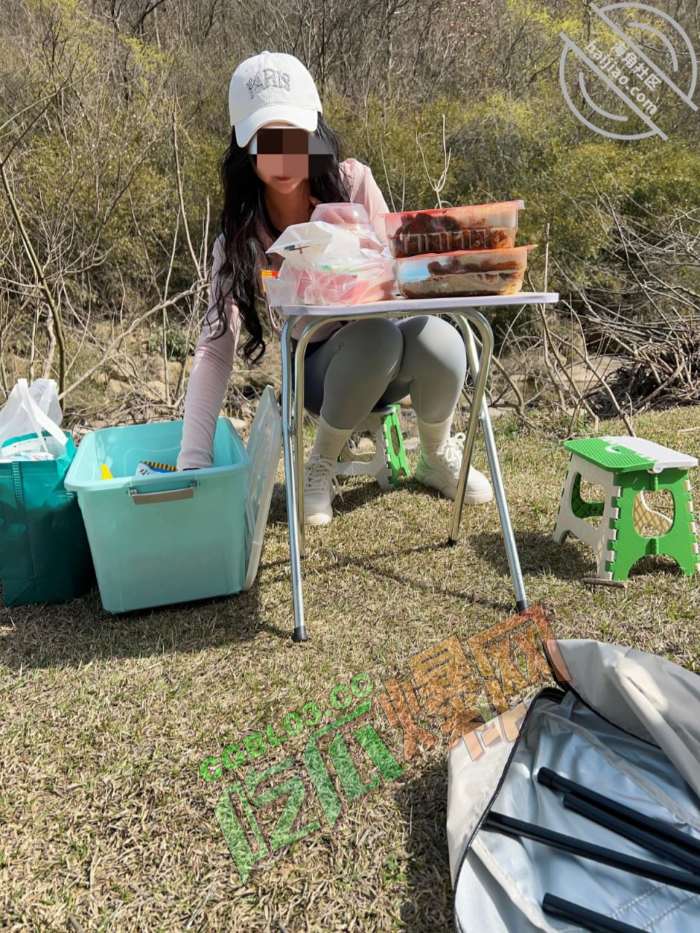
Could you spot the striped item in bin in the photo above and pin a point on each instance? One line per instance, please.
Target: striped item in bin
(153, 467)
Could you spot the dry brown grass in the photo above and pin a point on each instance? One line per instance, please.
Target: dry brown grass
(105, 720)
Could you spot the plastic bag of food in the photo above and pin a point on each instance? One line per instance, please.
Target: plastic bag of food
(326, 264)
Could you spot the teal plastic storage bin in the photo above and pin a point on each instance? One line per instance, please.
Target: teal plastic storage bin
(175, 537)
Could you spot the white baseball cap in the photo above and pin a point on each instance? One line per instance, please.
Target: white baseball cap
(269, 87)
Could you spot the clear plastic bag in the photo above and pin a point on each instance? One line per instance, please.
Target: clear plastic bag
(29, 415)
(352, 217)
(326, 264)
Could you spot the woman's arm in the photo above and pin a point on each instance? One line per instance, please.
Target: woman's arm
(211, 371)
(365, 190)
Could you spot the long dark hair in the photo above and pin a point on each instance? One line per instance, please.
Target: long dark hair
(243, 204)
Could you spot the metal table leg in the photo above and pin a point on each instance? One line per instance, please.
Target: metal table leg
(291, 483)
(480, 377)
(298, 363)
(299, 428)
(494, 466)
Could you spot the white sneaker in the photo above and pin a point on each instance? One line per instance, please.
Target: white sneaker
(319, 490)
(441, 471)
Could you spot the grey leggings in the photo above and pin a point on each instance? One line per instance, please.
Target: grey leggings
(377, 360)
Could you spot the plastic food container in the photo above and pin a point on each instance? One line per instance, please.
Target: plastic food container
(461, 273)
(448, 229)
(352, 217)
(346, 213)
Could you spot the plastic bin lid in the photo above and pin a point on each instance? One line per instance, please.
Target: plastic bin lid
(264, 449)
(487, 208)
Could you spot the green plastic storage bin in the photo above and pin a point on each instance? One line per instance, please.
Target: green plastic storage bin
(174, 537)
(44, 551)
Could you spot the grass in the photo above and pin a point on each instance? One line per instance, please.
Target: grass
(105, 720)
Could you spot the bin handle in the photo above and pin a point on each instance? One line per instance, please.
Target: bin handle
(162, 495)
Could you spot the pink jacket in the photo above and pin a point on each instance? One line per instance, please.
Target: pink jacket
(213, 358)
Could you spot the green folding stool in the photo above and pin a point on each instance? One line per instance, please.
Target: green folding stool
(389, 462)
(626, 468)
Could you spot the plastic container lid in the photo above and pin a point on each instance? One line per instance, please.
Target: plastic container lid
(264, 448)
(488, 208)
(341, 212)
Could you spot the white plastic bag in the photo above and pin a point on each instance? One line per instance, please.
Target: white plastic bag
(325, 264)
(302, 245)
(32, 410)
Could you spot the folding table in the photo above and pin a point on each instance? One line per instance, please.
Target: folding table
(465, 312)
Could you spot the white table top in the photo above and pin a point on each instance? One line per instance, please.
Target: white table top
(419, 304)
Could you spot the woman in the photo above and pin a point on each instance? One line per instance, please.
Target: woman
(273, 175)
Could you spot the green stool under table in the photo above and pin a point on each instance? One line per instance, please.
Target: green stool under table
(389, 462)
(626, 468)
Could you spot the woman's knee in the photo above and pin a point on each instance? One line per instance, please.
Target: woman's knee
(449, 344)
(433, 340)
(430, 330)
(375, 340)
